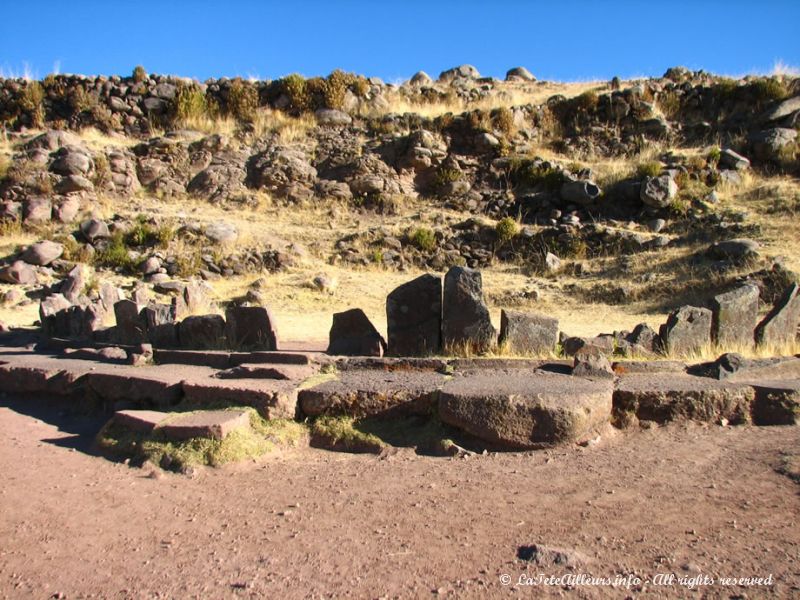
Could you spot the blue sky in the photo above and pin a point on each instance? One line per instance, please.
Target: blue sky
(566, 41)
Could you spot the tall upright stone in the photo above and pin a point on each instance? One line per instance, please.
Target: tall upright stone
(734, 317)
(353, 334)
(779, 327)
(686, 331)
(414, 317)
(465, 317)
(250, 328)
(528, 333)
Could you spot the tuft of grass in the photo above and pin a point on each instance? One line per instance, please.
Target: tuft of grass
(424, 239)
(341, 433)
(650, 168)
(115, 255)
(139, 74)
(506, 229)
(768, 89)
(147, 234)
(32, 102)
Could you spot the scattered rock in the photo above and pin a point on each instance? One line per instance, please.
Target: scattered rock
(659, 191)
(42, 253)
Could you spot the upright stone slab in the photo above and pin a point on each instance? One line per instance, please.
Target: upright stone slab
(686, 331)
(353, 334)
(130, 328)
(779, 327)
(734, 317)
(414, 317)
(465, 317)
(205, 332)
(528, 333)
(251, 328)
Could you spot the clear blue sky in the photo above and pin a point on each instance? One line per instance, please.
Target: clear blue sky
(566, 40)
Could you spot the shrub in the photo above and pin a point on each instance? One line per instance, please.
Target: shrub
(190, 103)
(445, 176)
(503, 120)
(586, 101)
(424, 239)
(81, 100)
(529, 174)
(294, 86)
(242, 100)
(32, 102)
(714, 155)
(115, 254)
(768, 89)
(102, 172)
(139, 74)
(146, 234)
(670, 104)
(336, 88)
(648, 169)
(5, 164)
(506, 230)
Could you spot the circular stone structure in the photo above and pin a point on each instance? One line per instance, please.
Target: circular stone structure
(526, 410)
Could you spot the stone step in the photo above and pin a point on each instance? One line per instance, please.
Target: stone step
(211, 424)
(368, 393)
(225, 360)
(675, 397)
(282, 372)
(273, 399)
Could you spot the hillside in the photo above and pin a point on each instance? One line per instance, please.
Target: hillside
(601, 203)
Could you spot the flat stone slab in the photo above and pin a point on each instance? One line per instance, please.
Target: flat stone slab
(663, 398)
(281, 372)
(210, 424)
(768, 368)
(143, 421)
(521, 409)
(776, 402)
(630, 367)
(373, 393)
(273, 399)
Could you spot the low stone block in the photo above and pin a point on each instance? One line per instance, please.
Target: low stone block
(528, 333)
(202, 332)
(251, 328)
(272, 399)
(212, 424)
(777, 403)
(526, 410)
(686, 331)
(143, 421)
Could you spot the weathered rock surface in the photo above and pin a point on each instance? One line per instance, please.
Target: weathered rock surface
(779, 327)
(359, 393)
(686, 331)
(202, 332)
(250, 328)
(414, 317)
(734, 317)
(353, 334)
(42, 253)
(663, 398)
(777, 402)
(528, 333)
(520, 409)
(659, 191)
(210, 424)
(465, 316)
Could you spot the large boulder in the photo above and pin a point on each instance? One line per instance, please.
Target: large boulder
(734, 317)
(353, 334)
(784, 109)
(94, 229)
(738, 249)
(770, 145)
(779, 327)
(687, 331)
(465, 316)
(251, 328)
(733, 160)
(18, 272)
(461, 72)
(522, 409)
(519, 73)
(202, 332)
(414, 317)
(42, 253)
(659, 191)
(528, 333)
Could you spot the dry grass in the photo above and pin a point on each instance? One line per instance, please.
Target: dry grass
(97, 140)
(267, 121)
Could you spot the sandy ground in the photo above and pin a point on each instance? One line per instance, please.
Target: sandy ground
(690, 500)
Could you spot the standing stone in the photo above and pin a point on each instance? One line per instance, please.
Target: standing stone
(414, 317)
(643, 336)
(130, 329)
(528, 333)
(779, 327)
(686, 331)
(352, 334)
(465, 317)
(203, 332)
(734, 317)
(251, 328)
(51, 314)
(72, 286)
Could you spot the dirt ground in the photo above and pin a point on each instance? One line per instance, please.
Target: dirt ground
(688, 500)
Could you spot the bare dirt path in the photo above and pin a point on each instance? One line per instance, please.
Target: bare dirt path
(688, 500)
